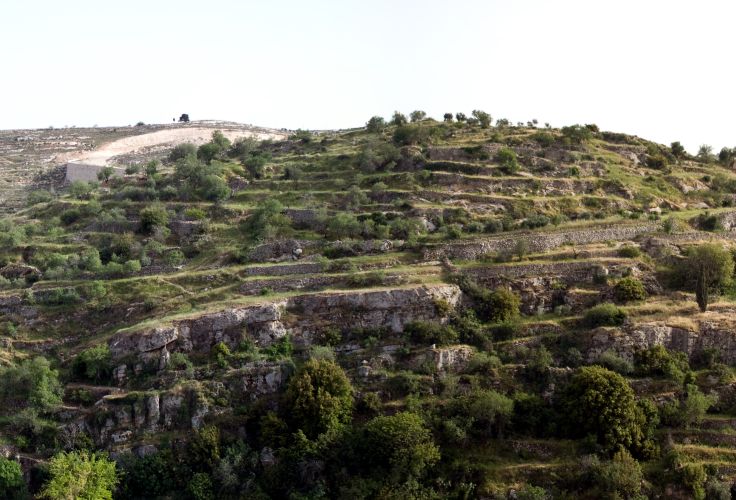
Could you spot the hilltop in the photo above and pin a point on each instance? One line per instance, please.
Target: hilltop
(411, 309)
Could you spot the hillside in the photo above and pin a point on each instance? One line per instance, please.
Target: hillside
(406, 310)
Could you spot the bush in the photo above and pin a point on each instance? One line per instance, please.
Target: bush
(600, 403)
(424, 332)
(375, 124)
(503, 305)
(396, 448)
(93, 364)
(153, 217)
(39, 196)
(12, 485)
(689, 409)
(79, 474)
(31, 383)
(614, 362)
(576, 134)
(658, 361)
(267, 221)
(319, 398)
(629, 289)
(604, 315)
(629, 252)
(507, 159)
(181, 151)
(621, 477)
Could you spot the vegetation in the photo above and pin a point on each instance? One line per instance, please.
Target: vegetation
(420, 308)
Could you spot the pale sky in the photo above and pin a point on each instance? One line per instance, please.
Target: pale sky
(655, 68)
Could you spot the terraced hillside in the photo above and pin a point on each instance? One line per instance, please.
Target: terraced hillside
(37, 158)
(411, 310)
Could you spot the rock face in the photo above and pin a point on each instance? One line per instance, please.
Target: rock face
(267, 322)
(627, 340)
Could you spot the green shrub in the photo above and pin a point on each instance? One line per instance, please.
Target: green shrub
(425, 332)
(319, 398)
(94, 364)
(614, 362)
(629, 252)
(502, 305)
(601, 403)
(506, 158)
(629, 289)
(181, 151)
(658, 361)
(604, 315)
(12, 485)
(153, 217)
(80, 474)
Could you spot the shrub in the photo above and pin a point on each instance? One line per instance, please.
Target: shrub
(658, 361)
(506, 157)
(267, 221)
(629, 252)
(576, 134)
(12, 485)
(319, 398)
(153, 217)
(39, 196)
(375, 124)
(182, 151)
(503, 305)
(604, 315)
(601, 403)
(397, 448)
(614, 362)
(629, 289)
(621, 477)
(93, 364)
(689, 409)
(80, 474)
(425, 332)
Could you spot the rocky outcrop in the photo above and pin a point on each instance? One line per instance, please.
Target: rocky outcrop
(266, 322)
(16, 271)
(627, 340)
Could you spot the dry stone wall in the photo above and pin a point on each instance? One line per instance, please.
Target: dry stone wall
(539, 242)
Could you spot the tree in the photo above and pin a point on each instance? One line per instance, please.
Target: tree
(447, 117)
(93, 363)
(267, 221)
(576, 134)
(105, 173)
(601, 403)
(506, 157)
(503, 305)
(417, 116)
(725, 156)
(398, 119)
(319, 398)
(711, 267)
(705, 153)
(375, 124)
(184, 118)
(33, 383)
(153, 217)
(621, 477)
(460, 117)
(12, 485)
(628, 289)
(397, 448)
(80, 475)
(182, 151)
(678, 150)
(483, 118)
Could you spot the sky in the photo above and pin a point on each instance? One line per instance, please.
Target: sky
(654, 68)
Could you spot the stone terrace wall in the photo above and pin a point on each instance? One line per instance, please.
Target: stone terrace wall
(539, 242)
